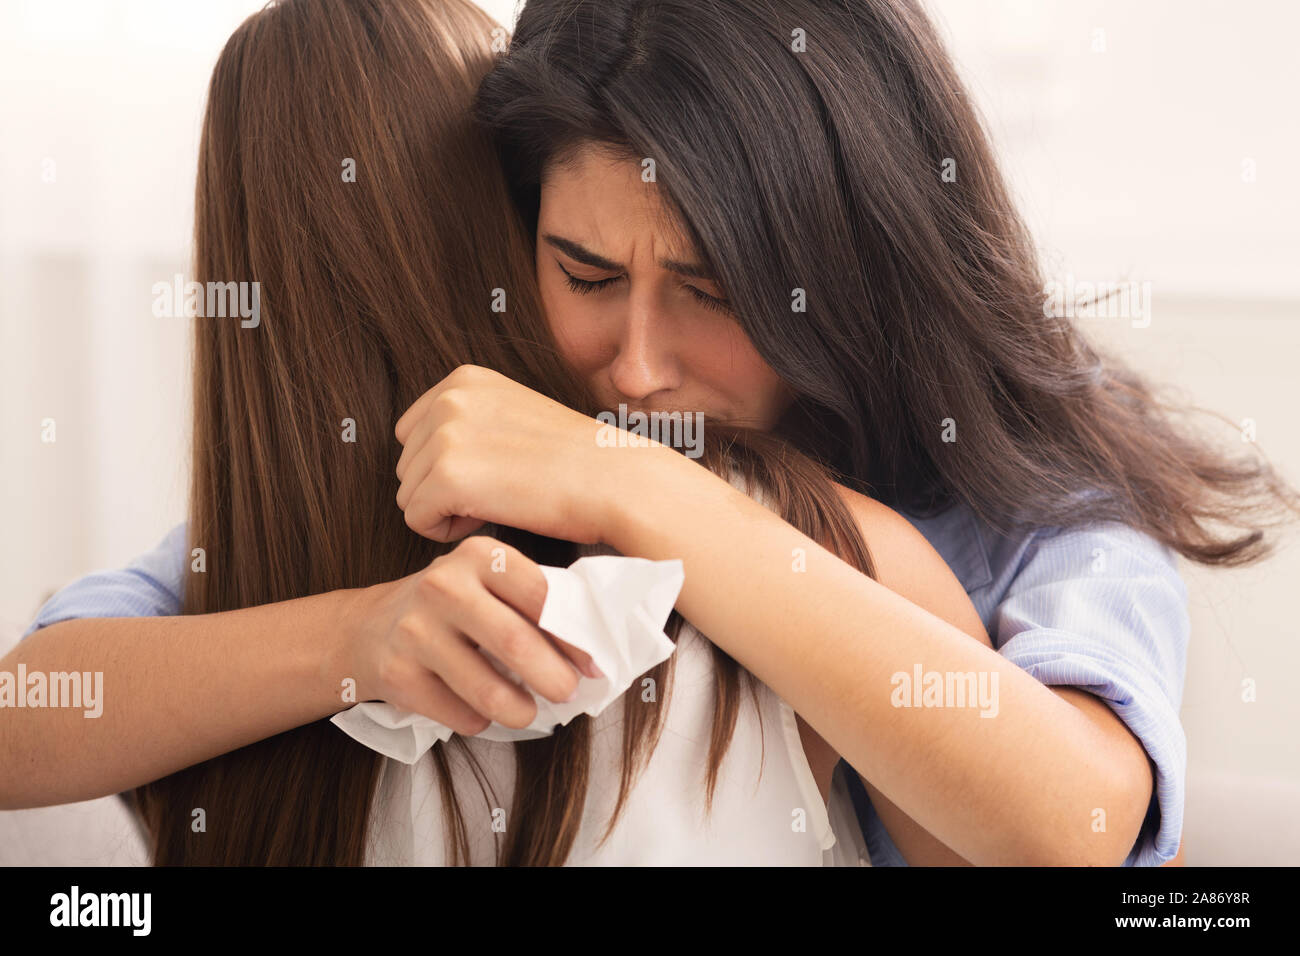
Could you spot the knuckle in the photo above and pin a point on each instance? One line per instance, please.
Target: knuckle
(535, 590)
(442, 474)
(418, 510)
(451, 437)
(438, 582)
(451, 403)
(412, 519)
(493, 699)
(477, 548)
(512, 642)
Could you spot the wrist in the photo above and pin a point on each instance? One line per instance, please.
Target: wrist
(646, 481)
(352, 609)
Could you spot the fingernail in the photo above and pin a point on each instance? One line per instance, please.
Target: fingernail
(571, 697)
(593, 671)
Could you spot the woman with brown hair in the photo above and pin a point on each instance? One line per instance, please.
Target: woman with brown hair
(339, 169)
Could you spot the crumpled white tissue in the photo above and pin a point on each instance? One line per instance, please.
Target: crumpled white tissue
(611, 606)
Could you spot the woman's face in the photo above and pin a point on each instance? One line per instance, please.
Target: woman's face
(633, 310)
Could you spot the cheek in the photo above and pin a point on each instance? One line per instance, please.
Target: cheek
(558, 320)
(766, 395)
(572, 329)
(732, 365)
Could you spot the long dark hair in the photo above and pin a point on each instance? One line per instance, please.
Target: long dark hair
(376, 282)
(818, 168)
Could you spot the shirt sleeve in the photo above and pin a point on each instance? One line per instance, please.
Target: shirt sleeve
(1104, 609)
(150, 586)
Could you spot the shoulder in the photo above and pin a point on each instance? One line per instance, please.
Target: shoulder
(1048, 564)
(1092, 577)
(1097, 550)
(1106, 592)
(908, 564)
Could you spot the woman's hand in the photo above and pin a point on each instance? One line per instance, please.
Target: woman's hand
(480, 447)
(416, 640)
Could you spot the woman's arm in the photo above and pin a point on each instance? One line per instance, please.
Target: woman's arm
(1016, 788)
(178, 690)
(907, 564)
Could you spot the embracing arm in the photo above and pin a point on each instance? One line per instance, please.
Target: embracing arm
(176, 690)
(1019, 788)
(909, 566)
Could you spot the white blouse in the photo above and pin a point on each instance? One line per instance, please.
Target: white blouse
(776, 818)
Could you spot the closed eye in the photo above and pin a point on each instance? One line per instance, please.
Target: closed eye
(585, 286)
(588, 286)
(710, 302)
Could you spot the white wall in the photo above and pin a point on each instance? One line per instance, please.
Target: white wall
(105, 100)
(1128, 162)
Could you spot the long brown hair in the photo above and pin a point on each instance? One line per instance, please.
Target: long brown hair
(817, 169)
(374, 284)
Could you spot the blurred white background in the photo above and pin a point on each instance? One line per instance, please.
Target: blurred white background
(1146, 139)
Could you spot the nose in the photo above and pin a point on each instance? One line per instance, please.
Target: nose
(646, 363)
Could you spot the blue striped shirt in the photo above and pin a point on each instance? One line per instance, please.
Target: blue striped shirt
(1101, 608)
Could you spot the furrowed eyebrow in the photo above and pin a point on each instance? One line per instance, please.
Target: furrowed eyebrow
(693, 270)
(580, 253)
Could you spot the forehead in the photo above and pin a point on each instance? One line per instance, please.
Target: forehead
(599, 188)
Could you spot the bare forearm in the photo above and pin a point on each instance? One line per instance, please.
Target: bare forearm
(176, 691)
(1021, 787)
